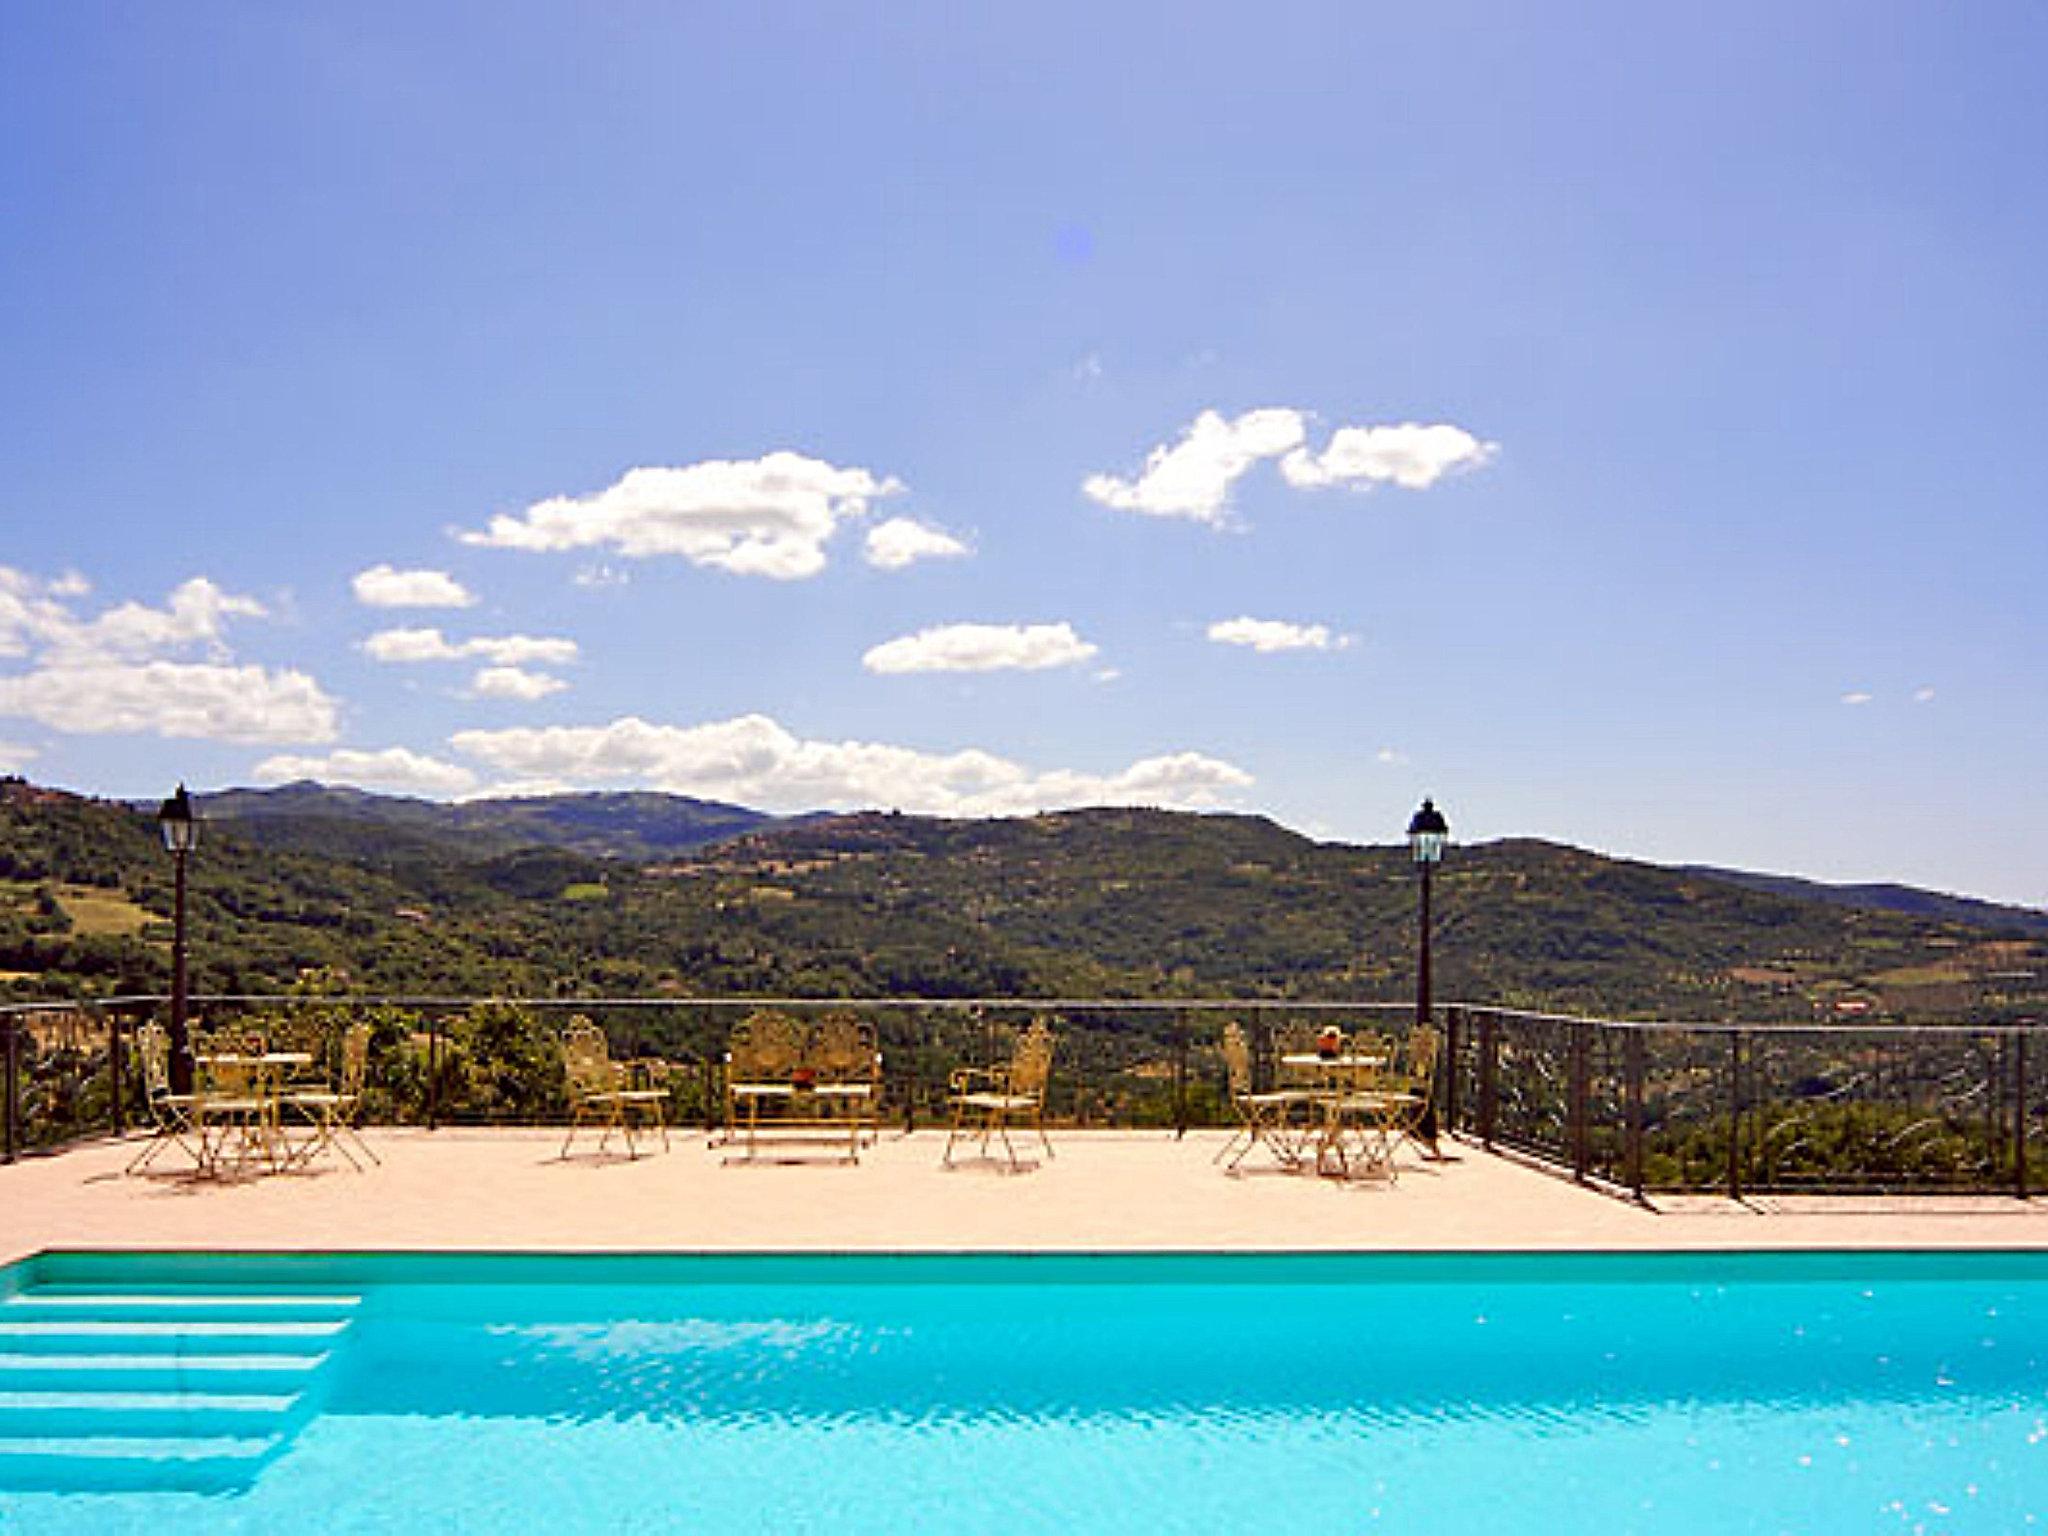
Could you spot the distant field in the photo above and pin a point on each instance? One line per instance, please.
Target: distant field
(92, 909)
(102, 912)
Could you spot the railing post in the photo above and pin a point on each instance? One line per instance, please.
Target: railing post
(1576, 1116)
(1735, 1114)
(914, 1055)
(117, 1087)
(10, 1089)
(1180, 1076)
(1633, 1058)
(1489, 1076)
(1454, 1030)
(2019, 1113)
(433, 1071)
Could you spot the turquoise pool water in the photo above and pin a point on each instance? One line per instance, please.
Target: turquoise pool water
(1176, 1393)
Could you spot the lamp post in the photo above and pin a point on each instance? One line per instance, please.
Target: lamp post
(1427, 834)
(180, 830)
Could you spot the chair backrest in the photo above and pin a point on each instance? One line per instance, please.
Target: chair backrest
(153, 1050)
(843, 1049)
(586, 1059)
(1031, 1063)
(225, 1065)
(1372, 1043)
(355, 1058)
(1237, 1059)
(764, 1047)
(1425, 1046)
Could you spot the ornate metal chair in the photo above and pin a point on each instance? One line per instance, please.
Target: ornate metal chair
(171, 1112)
(331, 1110)
(601, 1089)
(763, 1056)
(1275, 1117)
(987, 1099)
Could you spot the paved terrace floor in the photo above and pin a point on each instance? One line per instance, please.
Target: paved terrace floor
(508, 1190)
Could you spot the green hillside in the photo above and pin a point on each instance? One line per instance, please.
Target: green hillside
(1106, 902)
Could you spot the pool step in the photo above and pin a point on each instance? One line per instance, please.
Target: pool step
(158, 1389)
(159, 1372)
(113, 1463)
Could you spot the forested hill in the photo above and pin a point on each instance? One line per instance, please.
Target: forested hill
(320, 818)
(1892, 898)
(1113, 902)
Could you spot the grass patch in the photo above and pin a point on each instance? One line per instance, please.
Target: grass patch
(96, 911)
(586, 890)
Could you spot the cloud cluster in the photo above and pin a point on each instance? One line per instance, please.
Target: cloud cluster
(514, 683)
(1193, 477)
(404, 646)
(1270, 635)
(981, 648)
(1410, 456)
(394, 770)
(902, 541)
(770, 516)
(381, 586)
(123, 670)
(755, 761)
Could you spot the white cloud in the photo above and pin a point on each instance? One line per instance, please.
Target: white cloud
(1390, 755)
(769, 516)
(514, 683)
(397, 770)
(1923, 695)
(114, 672)
(981, 648)
(902, 540)
(1192, 478)
(599, 573)
(1411, 456)
(15, 756)
(194, 615)
(381, 586)
(1269, 635)
(754, 761)
(210, 701)
(429, 644)
(1856, 698)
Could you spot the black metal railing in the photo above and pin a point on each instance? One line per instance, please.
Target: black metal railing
(1648, 1107)
(1632, 1106)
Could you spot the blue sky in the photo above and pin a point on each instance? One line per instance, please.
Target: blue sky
(1724, 541)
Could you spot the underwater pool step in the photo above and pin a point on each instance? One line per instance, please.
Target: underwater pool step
(182, 1336)
(110, 1463)
(127, 1413)
(156, 1372)
(116, 1306)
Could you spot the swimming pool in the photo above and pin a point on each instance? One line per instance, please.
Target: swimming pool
(360, 1393)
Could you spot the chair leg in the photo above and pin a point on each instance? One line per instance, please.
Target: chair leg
(575, 1120)
(953, 1135)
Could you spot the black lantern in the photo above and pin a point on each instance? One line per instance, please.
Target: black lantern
(175, 820)
(1427, 834)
